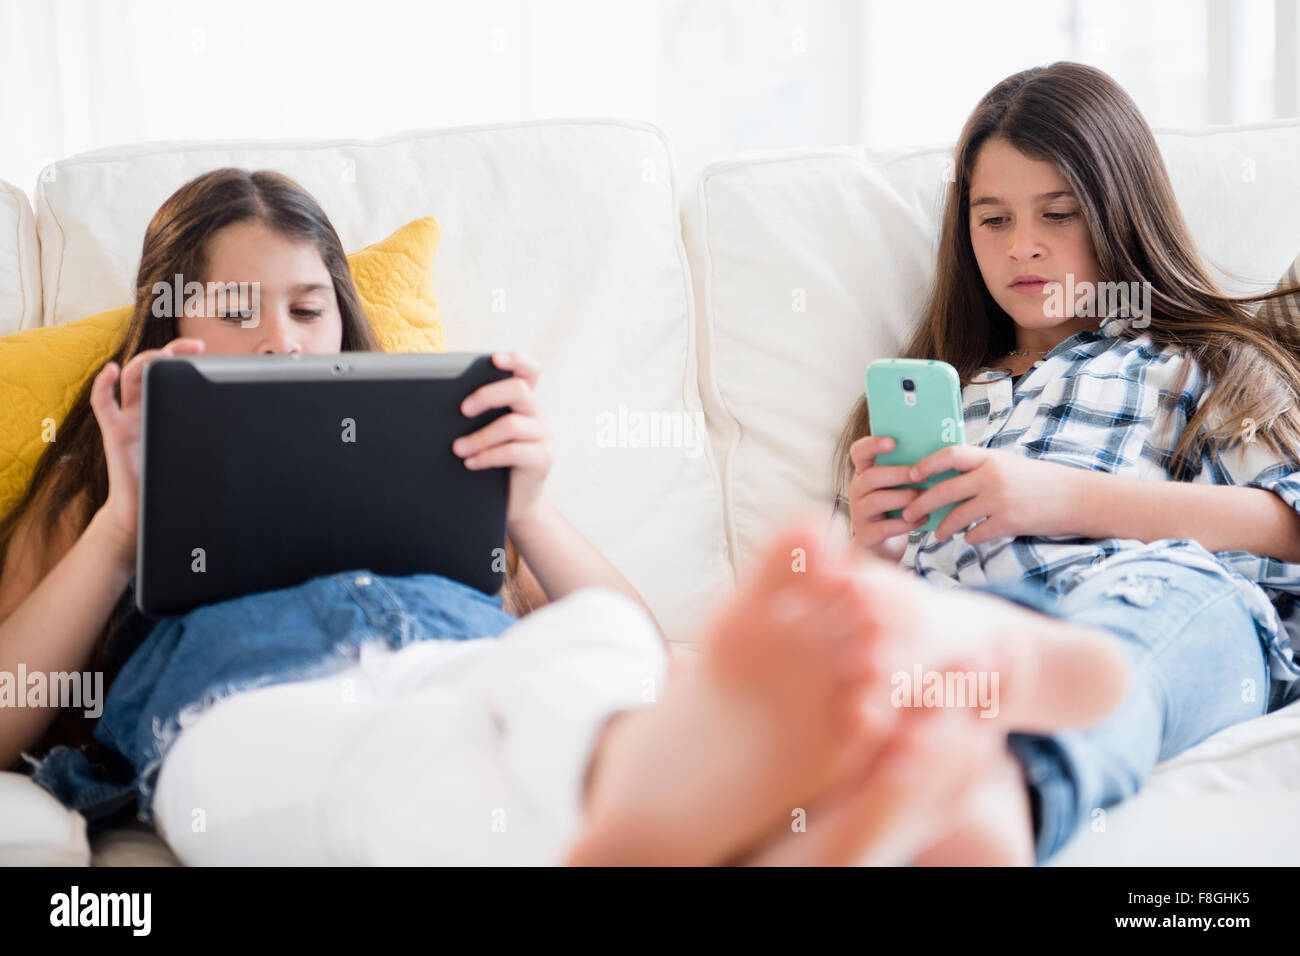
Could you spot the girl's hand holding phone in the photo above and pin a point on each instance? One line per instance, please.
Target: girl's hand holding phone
(1016, 495)
(873, 492)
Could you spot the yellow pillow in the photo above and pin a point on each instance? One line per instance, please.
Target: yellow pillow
(42, 371)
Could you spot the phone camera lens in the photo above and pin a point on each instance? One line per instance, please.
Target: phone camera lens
(909, 385)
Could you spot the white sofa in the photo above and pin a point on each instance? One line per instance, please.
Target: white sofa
(751, 300)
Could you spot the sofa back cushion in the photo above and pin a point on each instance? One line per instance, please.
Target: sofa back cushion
(20, 262)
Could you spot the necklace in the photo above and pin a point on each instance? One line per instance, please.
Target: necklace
(1026, 353)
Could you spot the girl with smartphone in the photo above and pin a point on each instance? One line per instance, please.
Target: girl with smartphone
(1131, 468)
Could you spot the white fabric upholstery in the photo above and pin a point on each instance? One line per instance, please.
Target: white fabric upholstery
(20, 263)
(37, 830)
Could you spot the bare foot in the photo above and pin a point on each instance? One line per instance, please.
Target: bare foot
(1050, 675)
(789, 706)
(764, 720)
(895, 805)
(1042, 672)
(992, 826)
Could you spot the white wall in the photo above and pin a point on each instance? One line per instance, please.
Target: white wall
(718, 75)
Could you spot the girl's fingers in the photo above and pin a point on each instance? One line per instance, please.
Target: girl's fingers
(958, 488)
(133, 373)
(879, 476)
(963, 516)
(131, 376)
(515, 454)
(506, 428)
(879, 531)
(986, 530)
(514, 393)
(863, 452)
(954, 457)
(872, 506)
(102, 402)
(894, 548)
(189, 346)
(522, 364)
(869, 525)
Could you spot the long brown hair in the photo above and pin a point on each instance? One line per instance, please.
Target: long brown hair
(1081, 120)
(73, 473)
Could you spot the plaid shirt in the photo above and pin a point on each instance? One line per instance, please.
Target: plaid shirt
(1104, 401)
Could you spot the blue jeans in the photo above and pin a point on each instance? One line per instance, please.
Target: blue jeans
(1198, 664)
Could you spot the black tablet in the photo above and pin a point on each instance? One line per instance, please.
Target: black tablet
(261, 472)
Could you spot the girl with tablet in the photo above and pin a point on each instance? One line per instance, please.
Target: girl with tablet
(1132, 446)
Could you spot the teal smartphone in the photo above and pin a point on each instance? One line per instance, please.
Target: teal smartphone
(916, 402)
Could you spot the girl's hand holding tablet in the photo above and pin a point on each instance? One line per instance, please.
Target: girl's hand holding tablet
(119, 424)
(520, 440)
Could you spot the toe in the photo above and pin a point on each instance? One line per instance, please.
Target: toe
(798, 553)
